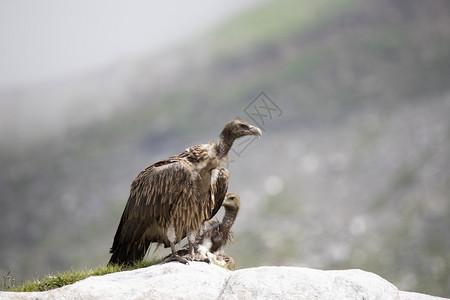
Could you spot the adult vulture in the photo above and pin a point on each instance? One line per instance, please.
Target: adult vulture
(171, 199)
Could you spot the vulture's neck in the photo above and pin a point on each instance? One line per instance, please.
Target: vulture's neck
(223, 146)
(227, 222)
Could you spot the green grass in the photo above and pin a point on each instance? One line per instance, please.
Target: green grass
(274, 21)
(64, 278)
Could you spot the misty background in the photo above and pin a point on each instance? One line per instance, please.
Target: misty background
(352, 170)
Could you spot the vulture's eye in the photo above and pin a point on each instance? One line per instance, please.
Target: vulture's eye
(243, 126)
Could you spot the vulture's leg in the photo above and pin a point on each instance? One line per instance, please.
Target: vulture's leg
(191, 241)
(174, 256)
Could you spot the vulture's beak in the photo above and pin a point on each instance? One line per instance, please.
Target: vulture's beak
(255, 131)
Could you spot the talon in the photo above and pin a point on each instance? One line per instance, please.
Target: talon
(207, 260)
(201, 259)
(176, 258)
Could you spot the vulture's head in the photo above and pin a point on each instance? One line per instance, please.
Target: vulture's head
(232, 202)
(237, 128)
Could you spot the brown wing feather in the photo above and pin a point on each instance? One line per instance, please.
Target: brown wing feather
(151, 207)
(219, 190)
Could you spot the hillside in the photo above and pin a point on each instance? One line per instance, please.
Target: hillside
(351, 172)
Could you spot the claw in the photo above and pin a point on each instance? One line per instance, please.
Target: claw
(201, 258)
(206, 260)
(176, 258)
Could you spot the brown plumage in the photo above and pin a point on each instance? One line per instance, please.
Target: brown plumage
(218, 234)
(171, 199)
(215, 235)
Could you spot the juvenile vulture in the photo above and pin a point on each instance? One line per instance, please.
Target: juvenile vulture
(215, 234)
(218, 234)
(171, 199)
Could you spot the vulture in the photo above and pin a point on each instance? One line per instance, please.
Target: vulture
(171, 199)
(215, 234)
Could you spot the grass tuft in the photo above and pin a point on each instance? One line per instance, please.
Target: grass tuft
(64, 278)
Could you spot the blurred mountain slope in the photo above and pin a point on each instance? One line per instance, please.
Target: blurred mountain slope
(353, 174)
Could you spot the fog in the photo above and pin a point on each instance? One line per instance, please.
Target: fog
(52, 44)
(50, 39)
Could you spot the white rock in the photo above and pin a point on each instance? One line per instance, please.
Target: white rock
(303, 283)
(164, 281)
(203, 281)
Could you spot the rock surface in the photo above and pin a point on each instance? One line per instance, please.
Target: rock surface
(203, 281)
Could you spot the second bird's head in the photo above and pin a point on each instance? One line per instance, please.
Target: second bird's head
(232, 202)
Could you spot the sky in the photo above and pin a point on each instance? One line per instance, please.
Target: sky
(49, 39)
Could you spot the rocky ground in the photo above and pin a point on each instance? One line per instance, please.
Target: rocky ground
(202, 281)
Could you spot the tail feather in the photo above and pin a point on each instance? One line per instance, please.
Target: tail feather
(126, 248)
(124, 254)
